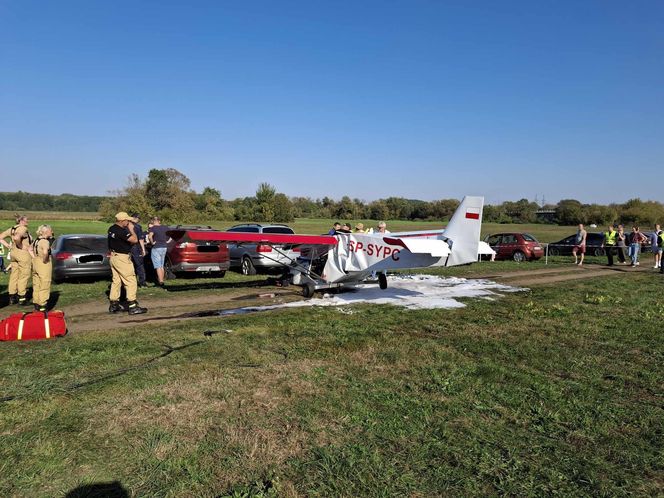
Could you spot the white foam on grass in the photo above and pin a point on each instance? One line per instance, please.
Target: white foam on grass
(411, 292)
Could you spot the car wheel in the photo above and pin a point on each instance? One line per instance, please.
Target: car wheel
(519, 257)
(554, 251)
(168, 270)
(382, 281)
(308, 290)
(222, 274)
(598, 251)
(248, 267)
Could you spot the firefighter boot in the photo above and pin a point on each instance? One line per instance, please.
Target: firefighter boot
(135, 309)
(115, 307)
(23, 301)
(13, 298)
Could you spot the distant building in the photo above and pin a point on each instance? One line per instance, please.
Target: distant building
(546, 215)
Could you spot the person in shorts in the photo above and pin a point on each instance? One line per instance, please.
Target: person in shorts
(159, 239)
(580, 245)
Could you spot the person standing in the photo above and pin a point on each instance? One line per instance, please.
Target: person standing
(609, 243)
(159, 239)
(656, 248)
(580, 245)
(621, 244)
(2, 259)
(335, 228)
(660, 245)
(42, 267)
(382, 227)
(636, 238)
(121, 236)
(138, 252)
(21, 265)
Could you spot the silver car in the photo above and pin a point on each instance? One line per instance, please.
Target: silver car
(254, 258)
(80, 255)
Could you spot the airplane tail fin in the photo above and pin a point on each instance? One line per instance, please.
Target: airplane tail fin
(463, 231)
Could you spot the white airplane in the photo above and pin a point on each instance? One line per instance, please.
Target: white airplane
(346, 259)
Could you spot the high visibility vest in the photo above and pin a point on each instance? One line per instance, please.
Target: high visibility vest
(660, 238)
(610, 238)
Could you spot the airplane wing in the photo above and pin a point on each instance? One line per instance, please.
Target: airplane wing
(266, 238)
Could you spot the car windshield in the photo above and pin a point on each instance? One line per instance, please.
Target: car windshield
(528, 237)
(277, 230)
(85, 245)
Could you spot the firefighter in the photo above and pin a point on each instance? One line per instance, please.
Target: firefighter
(609, 243)
(121, 236)
(21, 259)
(42, 267)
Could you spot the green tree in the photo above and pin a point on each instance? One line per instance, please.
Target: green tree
(282, 208)
(379, 210)
(569, 212)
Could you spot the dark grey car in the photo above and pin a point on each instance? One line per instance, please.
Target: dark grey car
(80, 255)
(254, 258)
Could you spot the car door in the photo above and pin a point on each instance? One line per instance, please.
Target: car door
(494, 243)
(237, 251)
(508, 245)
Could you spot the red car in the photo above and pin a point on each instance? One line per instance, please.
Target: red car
(200, 256)
(516, 246)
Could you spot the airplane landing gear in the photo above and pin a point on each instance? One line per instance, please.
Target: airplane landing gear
(382, 281)
(308, 290)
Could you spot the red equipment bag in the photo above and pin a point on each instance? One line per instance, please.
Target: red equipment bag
(31, 326)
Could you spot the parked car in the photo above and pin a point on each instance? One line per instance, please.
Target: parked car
(80, 255)
(250, 259)
(190, 252)
(564, 247)
(516, 246)
(594, 243)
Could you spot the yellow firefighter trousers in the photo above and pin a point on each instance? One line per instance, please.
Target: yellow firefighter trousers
(41, 281)
(21, 268)
(123, 274)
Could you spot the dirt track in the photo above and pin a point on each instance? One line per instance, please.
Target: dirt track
(95, 316)
(562, 274)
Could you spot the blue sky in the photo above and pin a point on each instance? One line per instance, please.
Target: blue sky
(420, 99)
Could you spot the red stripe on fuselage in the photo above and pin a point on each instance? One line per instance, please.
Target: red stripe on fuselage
(472, 216)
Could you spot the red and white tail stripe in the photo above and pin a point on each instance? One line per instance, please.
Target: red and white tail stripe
(473, 213)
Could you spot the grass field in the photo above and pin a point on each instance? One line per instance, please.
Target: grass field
(554, 391)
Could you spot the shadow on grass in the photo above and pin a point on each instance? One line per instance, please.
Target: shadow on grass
(53, 300)
(99, 490)
(217, 285)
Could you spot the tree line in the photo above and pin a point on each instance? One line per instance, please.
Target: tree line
(25, 201)
(167, 193)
